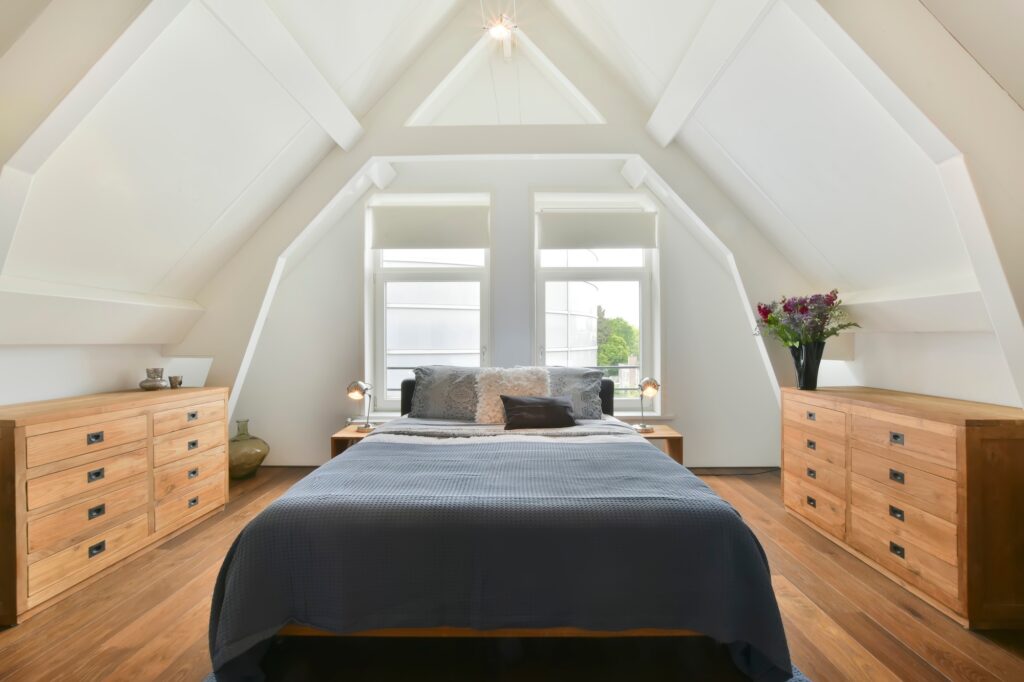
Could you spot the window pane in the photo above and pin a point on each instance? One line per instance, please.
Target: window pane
(591, 258)
(430, 323)
(432, 258)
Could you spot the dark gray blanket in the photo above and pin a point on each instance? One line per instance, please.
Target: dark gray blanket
(509, 533)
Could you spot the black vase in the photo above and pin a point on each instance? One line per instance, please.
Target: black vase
(807, 358)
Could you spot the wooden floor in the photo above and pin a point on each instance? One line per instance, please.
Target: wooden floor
(147, 620)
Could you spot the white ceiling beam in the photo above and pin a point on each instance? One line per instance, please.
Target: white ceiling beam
(262, 33)
(723, 33)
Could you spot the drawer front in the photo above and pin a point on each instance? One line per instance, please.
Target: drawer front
(178, 509)
(906, 559)
(51, 447)
(816, 473)
(909, 485)
(63, 527)
(85, 558)
(93, 477)
(185, 417)
(187, 442)
(814, 418)
(830, 450)
(930, 446)
(905, 521)
(190, 471)
(823, 509)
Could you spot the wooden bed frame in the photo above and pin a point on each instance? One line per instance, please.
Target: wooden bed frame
(306, 631)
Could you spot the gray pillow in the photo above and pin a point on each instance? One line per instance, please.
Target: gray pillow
(581, 386)
(444, 392)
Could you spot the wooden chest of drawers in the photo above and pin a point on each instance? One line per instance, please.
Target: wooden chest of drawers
(928, 490)
(88, 481)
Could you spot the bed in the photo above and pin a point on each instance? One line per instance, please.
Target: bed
(448, 528)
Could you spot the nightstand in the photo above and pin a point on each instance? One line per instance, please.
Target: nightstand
(344, 438)
(673, 440)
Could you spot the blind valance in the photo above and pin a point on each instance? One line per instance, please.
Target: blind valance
(560, 229)
(431, 227)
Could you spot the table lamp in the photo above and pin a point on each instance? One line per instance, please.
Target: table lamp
(360, 390)
(648, 389)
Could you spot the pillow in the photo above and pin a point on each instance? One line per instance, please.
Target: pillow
(494, 382)
(581, 386)
(537, 412)
(444, 392)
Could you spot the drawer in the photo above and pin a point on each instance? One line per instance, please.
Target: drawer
(909, 485)
(906, 559)
(184, 417)
(85, 518)
(824, 509)
(816, 473)
(904, 521)
(87, 478)
(189, 472)
(81, 560)
(57, 445)
(191, 441)
(183, 506)
(930, 446)
(814, 418)
(831, 450)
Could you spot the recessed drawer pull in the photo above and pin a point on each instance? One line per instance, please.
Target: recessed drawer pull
(896, 438)
(95, 475)
(193, 444)
(96, 512)
(192, 416)
(812, 416)
(193, 501)
(98, 548)
(897, 476)
(897, 513)
(812, 502)
(811, 445)
(94, 438)
(193, 473)
(897, 550)
(811, 473)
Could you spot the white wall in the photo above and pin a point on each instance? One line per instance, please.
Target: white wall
(43, 372)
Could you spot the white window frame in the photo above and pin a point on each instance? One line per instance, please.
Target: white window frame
(377, 340)
(646, 275)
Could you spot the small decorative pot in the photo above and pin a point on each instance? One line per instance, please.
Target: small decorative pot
(807, 358)
(245, 452)
(154, 380)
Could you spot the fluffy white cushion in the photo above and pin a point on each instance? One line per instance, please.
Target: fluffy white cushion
(494, 382)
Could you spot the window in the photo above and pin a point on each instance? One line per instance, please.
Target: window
(430, 276)
(595, 291)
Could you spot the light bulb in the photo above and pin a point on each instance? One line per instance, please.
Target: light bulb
(499, 31)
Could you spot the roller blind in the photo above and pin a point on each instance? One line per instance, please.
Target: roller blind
(597, 230)
(431, 227)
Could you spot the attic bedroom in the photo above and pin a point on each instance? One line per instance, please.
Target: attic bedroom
(511, 340)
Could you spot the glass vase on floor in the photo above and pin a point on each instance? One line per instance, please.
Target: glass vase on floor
(246, 452)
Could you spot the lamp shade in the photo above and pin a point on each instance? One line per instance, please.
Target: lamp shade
(357, 390)
(649, 387)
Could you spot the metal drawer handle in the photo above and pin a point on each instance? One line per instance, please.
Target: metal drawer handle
(192, 416)
(897, 513)
(193, 501)
(95, 475)
(811, 473)
(193, 473)
(193, 444)
(812, 502)
(94, 438)
(811, 445)
(98, 548)
(897, 438)
(97, 511)
(897, 550)
(812, 416)
(897, 476)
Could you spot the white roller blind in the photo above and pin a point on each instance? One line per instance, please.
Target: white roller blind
(431, 227)
(597, 230)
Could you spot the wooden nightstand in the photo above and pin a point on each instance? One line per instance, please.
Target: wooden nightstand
(344, 438)
(673, 440)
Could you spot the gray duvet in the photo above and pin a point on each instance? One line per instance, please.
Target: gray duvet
(426, 525)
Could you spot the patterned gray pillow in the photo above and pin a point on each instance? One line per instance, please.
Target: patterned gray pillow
(581, 386)
(444, 392)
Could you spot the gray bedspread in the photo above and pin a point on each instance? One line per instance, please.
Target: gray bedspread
(597, 530)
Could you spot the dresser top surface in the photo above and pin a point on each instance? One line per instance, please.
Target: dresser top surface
(22, 414)
(949, 410)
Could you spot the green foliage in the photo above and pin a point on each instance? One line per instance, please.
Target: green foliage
(617, 340)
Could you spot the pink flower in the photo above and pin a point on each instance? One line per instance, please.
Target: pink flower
(763, 310)
(804, 309)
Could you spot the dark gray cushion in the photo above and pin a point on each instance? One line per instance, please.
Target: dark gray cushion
(581, 386)
(444, 392)
(540, 412)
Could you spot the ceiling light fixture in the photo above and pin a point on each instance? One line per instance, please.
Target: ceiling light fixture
(501, 29)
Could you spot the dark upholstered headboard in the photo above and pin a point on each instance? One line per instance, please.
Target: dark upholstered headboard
(607, 395)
